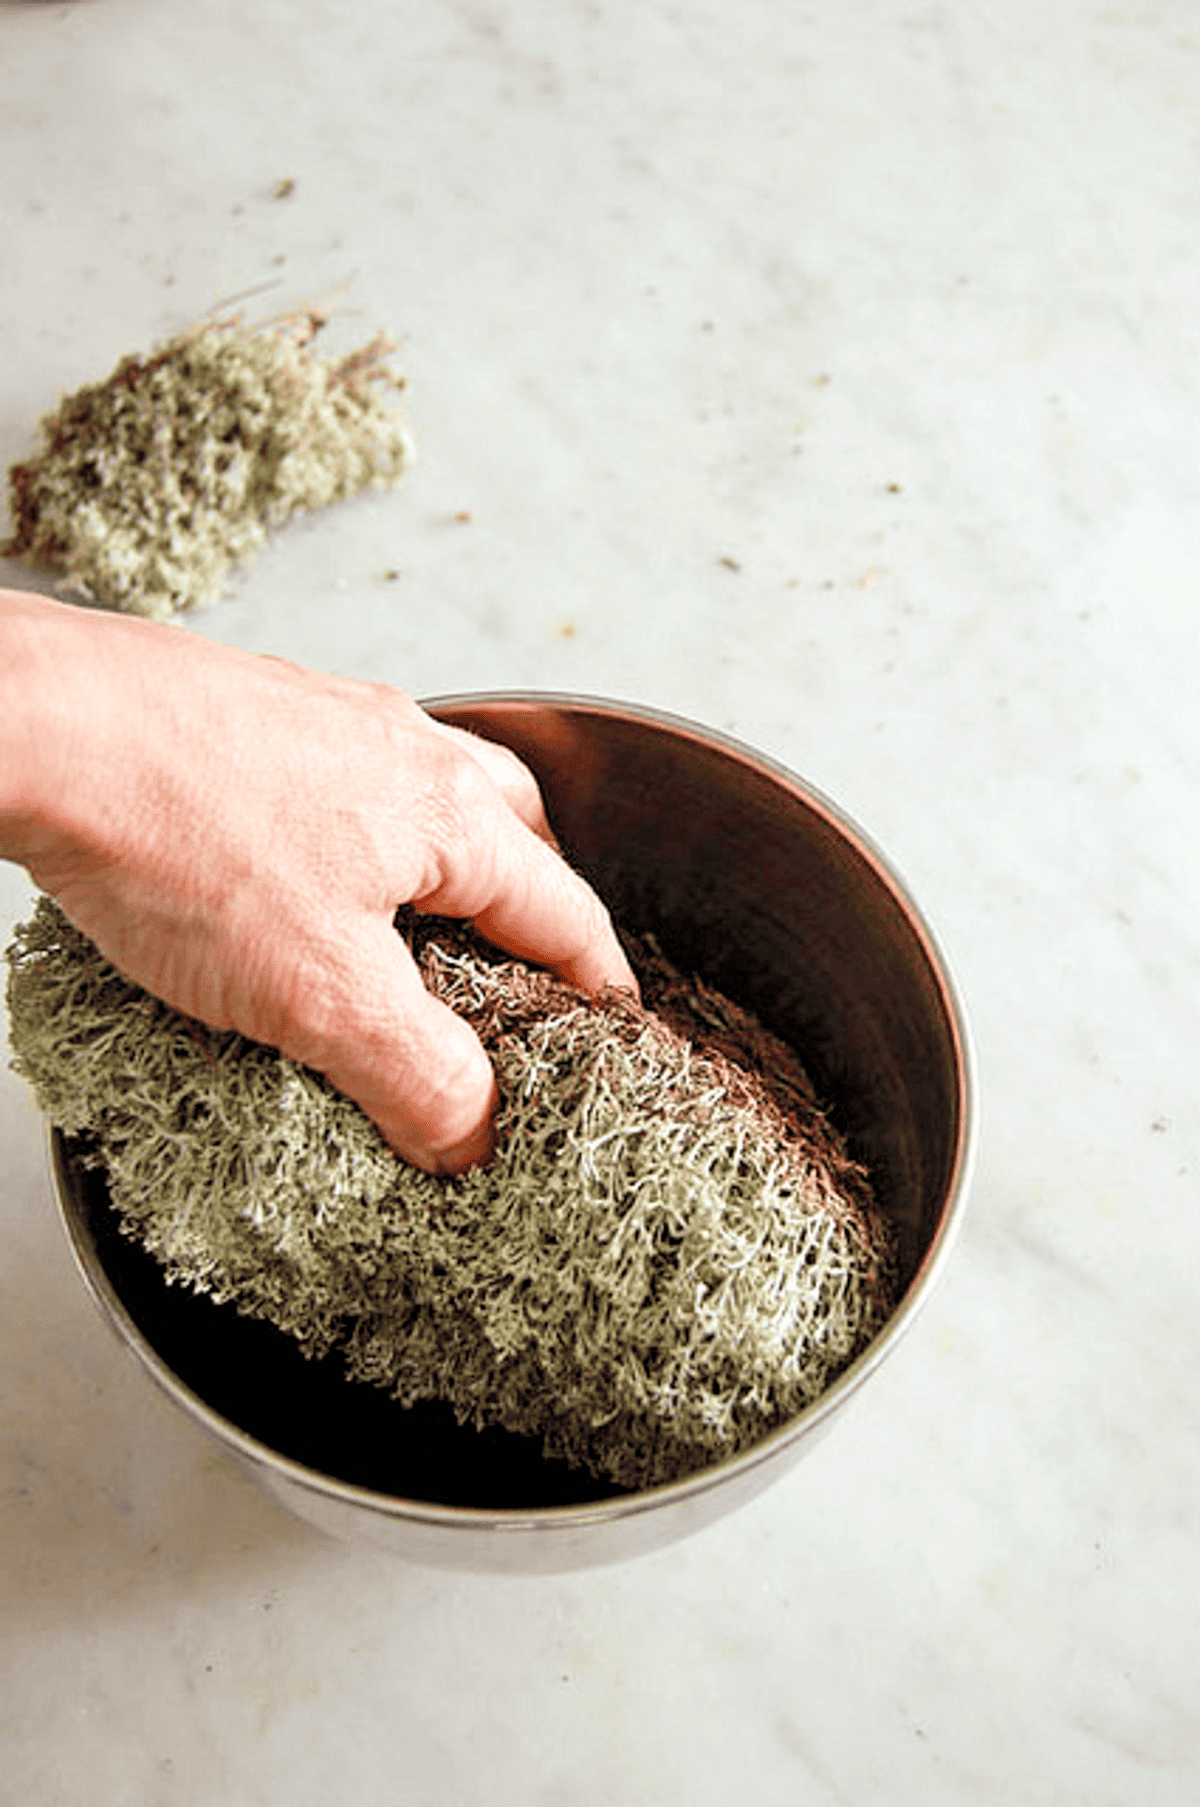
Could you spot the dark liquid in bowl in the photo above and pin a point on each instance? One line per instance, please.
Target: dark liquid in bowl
(256, 1377)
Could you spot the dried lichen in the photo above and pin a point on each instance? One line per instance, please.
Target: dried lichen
(153, 483)
(669, 1255)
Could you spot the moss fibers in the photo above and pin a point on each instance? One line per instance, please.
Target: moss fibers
(669, 1254)
(153, 483)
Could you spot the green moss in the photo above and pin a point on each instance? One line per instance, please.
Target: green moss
(669, 1254)
(153, 483)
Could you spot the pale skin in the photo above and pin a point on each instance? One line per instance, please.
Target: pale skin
(235, 833)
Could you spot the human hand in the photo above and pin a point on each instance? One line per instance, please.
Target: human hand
(235, 834)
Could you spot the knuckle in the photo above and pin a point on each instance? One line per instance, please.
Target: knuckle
(459, 788)
(460, 810)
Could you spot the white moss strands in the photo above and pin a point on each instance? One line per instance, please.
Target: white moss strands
(152, 484)
(669, 1255)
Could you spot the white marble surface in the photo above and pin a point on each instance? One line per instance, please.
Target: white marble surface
(676, 285)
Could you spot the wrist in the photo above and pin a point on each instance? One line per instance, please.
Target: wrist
(52, 702)
(28, 729)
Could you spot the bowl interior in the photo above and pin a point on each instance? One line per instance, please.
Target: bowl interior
(748, 879)
(763, 888)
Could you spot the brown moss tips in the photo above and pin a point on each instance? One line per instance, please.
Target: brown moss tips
(669, 1255)
(154, 482)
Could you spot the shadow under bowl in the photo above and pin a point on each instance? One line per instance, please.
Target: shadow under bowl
(754, 881)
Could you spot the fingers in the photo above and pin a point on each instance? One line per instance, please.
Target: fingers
(498, 864)
(510, 775)
(545, 912)
(417, 1070)
(493, 866)
(523, 897)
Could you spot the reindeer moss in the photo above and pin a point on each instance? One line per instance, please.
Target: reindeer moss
(153, 483)
(669, 1254)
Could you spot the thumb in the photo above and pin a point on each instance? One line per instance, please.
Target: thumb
(417, 1069)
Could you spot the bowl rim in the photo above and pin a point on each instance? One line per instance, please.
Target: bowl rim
(687, 1488)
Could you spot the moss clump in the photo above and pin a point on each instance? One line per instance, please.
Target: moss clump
(153, 483)
(669, 1255)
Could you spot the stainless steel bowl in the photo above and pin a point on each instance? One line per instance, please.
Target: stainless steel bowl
(755, 881)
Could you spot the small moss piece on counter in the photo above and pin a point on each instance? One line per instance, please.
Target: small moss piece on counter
(669, 1255)
(153, 483)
